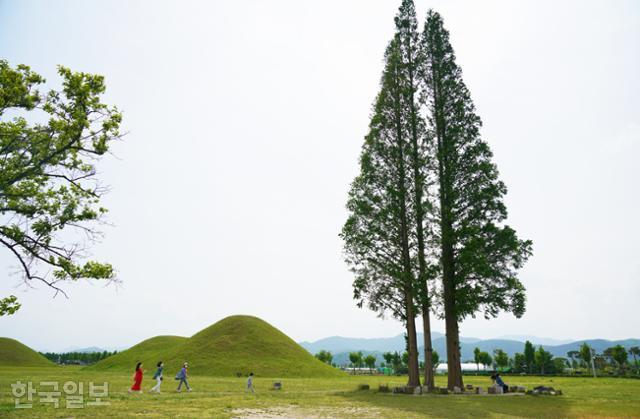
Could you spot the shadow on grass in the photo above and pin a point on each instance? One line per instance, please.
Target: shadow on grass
(464, 405)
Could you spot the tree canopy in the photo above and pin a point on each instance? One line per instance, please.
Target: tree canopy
(49, 189)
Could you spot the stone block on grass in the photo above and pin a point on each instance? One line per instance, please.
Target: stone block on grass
(409, 389)
(494, 390)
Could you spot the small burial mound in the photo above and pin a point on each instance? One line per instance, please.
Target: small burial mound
(149, 352)
(15, 354)
(234, 345)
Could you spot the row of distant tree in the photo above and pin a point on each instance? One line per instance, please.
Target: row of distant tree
(77, 357)
(395, 361)
(531, 360)
(539, 361)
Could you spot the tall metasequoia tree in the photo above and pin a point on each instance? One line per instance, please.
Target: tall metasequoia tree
(411, 56)
(377, 234)
(479, 254)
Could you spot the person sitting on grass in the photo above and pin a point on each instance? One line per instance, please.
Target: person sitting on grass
(250, 383)
(137, 379)
(182, 376)
(498, 381)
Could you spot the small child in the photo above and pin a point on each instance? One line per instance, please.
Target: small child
(250, 383)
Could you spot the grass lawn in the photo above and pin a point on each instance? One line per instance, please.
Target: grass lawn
(322, 397)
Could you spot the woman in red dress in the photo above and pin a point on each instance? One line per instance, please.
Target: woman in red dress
(137, 379)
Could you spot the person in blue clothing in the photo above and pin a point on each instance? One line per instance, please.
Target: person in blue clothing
(158, 377)
(498, 380)
(182, 376)
(250, 383)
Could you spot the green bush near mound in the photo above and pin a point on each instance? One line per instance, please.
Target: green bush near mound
(234, 345)
(15, 354)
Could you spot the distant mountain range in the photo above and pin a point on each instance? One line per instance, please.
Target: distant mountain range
(341, 346)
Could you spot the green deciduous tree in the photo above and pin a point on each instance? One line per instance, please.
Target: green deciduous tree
(436, 361)
(529, 356)
(49, 146)
(325, 356)
(501, 358)
(479, 254)
(635, 352)
(476, 357)
(544, 360)
(485, 359)
(397, 361)
(519, 362)
(370, 362)
(388, 358)
(619, 355)
(573, 355)
(559, 364)
(356, 359)
(586, 353)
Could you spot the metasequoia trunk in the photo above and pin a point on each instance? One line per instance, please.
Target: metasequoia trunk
(454, 371)
(410, 316)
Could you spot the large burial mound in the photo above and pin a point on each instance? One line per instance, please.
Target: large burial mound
(15, 354)
(234, 345)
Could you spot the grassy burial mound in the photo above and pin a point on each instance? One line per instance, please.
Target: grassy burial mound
(234, 345)
(243, 344)
(149, 352)
(15, 354)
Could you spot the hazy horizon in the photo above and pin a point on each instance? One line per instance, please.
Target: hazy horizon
(245, 121)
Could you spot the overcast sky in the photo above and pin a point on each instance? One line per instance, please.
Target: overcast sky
(245, 122)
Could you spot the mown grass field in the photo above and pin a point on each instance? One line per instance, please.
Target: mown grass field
(323, 397)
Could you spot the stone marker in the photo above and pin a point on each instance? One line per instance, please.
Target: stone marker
(277, 385)
(495, 390)
(383, 388)
(457, 390)
(550, 391)
(417, 390)
(363, 387)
